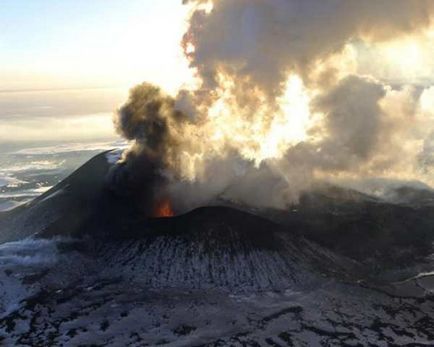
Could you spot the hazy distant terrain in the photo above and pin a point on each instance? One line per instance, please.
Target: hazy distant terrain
(71, 115)
(47, 134)
(27, 171)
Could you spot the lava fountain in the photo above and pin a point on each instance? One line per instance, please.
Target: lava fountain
(163, 209)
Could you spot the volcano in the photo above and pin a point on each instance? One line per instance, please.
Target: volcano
(84, 265)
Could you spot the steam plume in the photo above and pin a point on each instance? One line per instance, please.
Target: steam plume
(265, 65)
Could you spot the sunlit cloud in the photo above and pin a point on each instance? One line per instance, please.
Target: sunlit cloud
(402, 60)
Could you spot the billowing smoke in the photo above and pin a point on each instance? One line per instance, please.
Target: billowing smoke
(149, 120)
(259, 42)
(281, 101)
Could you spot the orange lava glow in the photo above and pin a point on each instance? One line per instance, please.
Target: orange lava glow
(163, 209)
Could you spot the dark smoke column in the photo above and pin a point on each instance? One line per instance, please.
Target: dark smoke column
(148, 119)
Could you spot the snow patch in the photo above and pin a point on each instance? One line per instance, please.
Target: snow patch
(10, 205)
(114, 156)
(72, 147)
(28, 252)
(38, 165)
(25, 193)
(9, 181)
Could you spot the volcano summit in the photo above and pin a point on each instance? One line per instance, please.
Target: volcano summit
(279, 196)
(85, 265)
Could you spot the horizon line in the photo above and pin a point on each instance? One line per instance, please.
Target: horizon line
(30, 90)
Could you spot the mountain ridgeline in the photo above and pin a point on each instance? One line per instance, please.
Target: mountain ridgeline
(85, 264)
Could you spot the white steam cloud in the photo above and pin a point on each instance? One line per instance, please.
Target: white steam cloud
(230, 136)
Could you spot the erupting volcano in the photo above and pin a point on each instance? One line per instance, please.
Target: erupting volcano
(296, 175)
(163, 209)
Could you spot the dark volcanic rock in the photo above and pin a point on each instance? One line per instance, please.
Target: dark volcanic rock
(366, 229)
(96, 272)
(63, 209)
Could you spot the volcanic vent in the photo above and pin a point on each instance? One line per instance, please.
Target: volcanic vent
(163, 208)
(229, 221)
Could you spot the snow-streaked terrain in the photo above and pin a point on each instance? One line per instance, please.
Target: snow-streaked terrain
(77, 268)
(58, 292)
(28, 171)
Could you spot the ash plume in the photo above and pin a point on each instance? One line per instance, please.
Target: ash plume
(149, 120)
(263, 68)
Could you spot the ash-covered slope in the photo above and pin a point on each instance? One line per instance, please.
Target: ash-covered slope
(207, 247)
(93, 271)
(376, 232)
(64, 207)
(217, 247)
(210, 246)
(355, 225)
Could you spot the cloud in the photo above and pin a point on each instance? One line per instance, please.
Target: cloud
(264, 65)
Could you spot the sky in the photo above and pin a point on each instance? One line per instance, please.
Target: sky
(73, 62)
(101, 43)
(336, 86)
(50, 44)
(76, 60)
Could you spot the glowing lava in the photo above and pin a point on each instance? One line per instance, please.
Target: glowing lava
(163, 209)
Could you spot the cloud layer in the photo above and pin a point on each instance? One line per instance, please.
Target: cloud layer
(264, 67)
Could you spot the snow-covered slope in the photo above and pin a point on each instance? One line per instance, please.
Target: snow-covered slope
(61, 292)
(81, 267)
